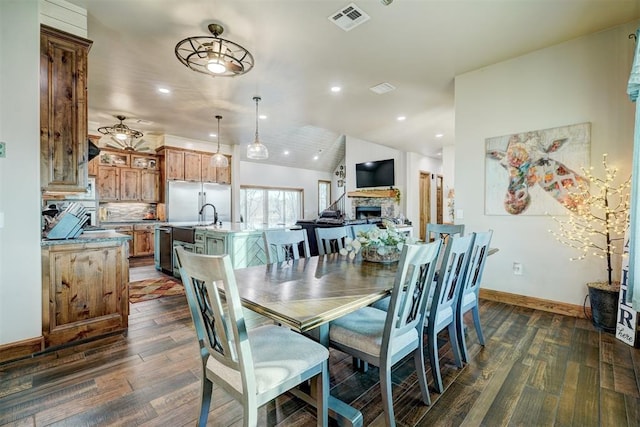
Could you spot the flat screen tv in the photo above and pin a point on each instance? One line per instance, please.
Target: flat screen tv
(375, 174)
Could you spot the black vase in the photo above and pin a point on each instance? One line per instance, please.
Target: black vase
(604, 308)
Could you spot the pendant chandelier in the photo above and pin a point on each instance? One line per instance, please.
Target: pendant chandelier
(122, 136)
(257, 150)
(219, 160)
(213, 55)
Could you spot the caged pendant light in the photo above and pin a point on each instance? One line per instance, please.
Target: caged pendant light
(219, 160)
(257, 150)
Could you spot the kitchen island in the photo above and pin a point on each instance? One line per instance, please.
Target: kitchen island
(85, 292)
(243, 243)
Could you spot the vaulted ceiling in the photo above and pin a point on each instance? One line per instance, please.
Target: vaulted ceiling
(417, 46)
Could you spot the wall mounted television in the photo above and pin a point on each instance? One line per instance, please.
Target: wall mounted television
(375, 174)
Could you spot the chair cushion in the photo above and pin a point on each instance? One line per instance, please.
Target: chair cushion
(278, 355)
(362, 330)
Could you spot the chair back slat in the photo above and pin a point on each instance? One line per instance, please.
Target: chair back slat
(331, 239)
(478, 257)
(407, 308)
(451, 275)
(283, 245)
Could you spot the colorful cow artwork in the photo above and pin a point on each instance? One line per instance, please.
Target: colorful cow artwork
(527, 160)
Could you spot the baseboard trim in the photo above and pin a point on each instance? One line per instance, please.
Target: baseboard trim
(535, 303)
(21, 349)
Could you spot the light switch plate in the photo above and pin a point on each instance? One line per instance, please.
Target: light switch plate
(3, 149)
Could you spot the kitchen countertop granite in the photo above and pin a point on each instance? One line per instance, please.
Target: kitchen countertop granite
(231, 227)
(89, 237)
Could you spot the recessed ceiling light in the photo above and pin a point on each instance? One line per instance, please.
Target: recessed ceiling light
(163, 90)
(286, 152)
(439, 135)
(212, 135)
(262, 117)
(316, 157)
(439, 153)
(336, 89)
(401, 118)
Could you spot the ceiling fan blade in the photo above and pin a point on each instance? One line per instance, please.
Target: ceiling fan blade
(232, 66)
(112, 145)
(119, 144)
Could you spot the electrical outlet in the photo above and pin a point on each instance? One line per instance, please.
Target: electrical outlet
(517, 268)
(3, 149)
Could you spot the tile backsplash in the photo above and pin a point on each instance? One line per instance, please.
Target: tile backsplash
(123, 212)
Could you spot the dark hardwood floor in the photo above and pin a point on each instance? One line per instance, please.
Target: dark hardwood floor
(537, 369)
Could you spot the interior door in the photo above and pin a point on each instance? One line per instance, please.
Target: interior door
(425, 203)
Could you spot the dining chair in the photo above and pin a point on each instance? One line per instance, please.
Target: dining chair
(331, 239)
(253, 366)
(439, 231)
(283, 245)
(442, 310)
(468, 299)
(356, 228)
(383, 338)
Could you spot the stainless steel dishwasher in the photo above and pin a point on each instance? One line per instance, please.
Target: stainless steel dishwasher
(164, 249)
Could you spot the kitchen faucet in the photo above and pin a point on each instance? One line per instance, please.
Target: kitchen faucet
(215, 213)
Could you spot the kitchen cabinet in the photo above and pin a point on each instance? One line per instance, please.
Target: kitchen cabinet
(246, 248)
(143, 239)
(63, 111)
(94, 163)
(108, 184)
(128, 177)
(186, 165)
(173, 165)
(192, 167)
(215, 174)
(85, 292)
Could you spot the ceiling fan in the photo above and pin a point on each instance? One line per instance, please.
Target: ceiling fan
(123, 137)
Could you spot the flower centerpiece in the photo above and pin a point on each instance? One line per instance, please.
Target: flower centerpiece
(377, 244)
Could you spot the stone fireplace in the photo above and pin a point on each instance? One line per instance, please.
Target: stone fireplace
(366, 207)
(364, 212)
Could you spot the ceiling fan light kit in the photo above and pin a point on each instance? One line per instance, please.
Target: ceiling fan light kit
(123, 136)
(213, 55)
(219, 160)
(256, 150)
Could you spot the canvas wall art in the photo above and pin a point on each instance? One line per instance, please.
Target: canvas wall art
(536, 172)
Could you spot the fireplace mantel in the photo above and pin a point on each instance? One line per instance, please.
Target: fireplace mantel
(374, 193)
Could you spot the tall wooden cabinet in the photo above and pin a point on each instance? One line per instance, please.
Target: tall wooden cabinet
(124, 177)
(63, 111)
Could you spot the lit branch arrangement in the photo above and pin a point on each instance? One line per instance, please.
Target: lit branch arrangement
(597, 225)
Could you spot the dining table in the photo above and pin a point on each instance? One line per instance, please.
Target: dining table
(308, 293)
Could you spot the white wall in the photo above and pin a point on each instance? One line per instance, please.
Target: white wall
(20, 278)
(260, 174)
(583, 80)
(358, 151)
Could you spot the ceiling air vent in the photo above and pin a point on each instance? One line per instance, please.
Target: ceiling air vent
(382, 88)
(349, 17)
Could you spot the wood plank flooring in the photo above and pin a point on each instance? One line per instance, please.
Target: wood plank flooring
(537, 369)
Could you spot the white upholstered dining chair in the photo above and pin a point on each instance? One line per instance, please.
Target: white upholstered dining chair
(253, 366)
(283, 245)
(468, 300)
(442, 310)
(383, 338)
(331, 239)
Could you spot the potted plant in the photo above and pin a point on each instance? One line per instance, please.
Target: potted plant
(596, 227)
(377, 245)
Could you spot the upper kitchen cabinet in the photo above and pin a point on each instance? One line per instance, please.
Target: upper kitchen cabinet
(127, 177)
(188, 165)
(63, 111)
(211, 173)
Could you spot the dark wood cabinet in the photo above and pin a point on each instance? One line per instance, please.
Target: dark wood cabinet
(63, 111)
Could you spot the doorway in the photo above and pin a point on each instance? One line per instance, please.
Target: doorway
(426, 179)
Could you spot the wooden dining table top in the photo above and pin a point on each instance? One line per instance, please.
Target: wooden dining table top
(310, 292)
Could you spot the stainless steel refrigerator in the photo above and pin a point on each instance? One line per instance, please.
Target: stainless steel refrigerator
(184, 200)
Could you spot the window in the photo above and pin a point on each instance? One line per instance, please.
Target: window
(324, 195)
(260, 206)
